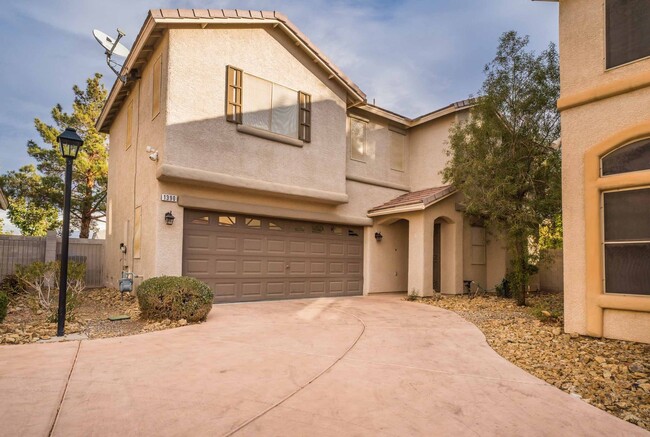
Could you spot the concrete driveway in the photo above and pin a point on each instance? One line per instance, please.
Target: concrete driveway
(349, 366)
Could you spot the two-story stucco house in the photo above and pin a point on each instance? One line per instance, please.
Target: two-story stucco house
(605, 107)
(281, 179)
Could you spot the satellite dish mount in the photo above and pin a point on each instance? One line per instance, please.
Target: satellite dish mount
(112, 46)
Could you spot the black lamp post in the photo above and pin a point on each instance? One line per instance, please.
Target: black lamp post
(70, 144)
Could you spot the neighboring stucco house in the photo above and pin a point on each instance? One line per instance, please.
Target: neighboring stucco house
(605, 107)
(282, 179)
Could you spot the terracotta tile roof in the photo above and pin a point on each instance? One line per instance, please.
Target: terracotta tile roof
(423, 197)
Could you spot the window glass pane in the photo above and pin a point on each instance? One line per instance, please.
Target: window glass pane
(227, 220)
(257, 102)
(201, 220)
(357, 139)
(317, 229)
(627, 268)
(299, 229)
(253, 223)
(352, 233)
(633, 157)
(337, 231)
(627, 215)
(275, 226)
(627, 24)
(284, 119)
(397, 151)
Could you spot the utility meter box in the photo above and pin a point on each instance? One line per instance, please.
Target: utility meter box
(126, 282)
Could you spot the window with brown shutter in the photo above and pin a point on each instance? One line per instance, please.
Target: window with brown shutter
(627, 32)
(304, 101)
(234, 98)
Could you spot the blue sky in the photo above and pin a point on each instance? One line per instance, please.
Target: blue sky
(411, 56)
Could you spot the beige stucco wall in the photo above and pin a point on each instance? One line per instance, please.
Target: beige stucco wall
(427, 144)
(199, 137)
(388, 258)
(132, 180)
(583, 127)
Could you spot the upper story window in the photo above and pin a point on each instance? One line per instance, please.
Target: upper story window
(261, 104)
(397, 151)
(358, 137)
(627, 34)
(632, 157)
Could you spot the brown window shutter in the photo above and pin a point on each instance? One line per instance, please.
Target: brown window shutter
(304, 132)
(234, 94)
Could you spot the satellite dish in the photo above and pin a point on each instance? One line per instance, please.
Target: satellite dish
(113, 47)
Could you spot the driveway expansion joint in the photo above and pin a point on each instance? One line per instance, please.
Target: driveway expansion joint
(65, 389)
(321, 373)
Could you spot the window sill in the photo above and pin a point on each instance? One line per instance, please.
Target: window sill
(279, 138)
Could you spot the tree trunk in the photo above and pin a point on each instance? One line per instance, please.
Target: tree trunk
(523, 271)
(84, 231)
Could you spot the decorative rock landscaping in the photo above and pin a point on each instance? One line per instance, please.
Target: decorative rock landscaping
(26, 325)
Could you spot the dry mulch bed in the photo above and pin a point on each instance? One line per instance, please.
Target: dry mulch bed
(612, 375)
(24, 324)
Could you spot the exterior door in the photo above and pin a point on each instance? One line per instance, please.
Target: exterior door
(436, 257)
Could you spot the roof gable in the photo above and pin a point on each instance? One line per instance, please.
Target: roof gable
(159, 19)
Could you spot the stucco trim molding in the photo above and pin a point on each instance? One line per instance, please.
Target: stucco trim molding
(249, 130)
(174, 173)
(604, 91)
(377, 183)
(193, 202)
(596, 299)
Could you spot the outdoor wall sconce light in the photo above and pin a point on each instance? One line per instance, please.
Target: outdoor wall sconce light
(169, 218)
(378, 236)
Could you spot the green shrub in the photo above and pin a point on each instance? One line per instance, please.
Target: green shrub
(41, 282)
(11, 285)
(4, 302)
(174, 298)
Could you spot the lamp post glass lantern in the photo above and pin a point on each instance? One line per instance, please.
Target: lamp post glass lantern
(70, 143)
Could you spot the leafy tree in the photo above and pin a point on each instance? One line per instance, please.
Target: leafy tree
(31, 205)
(30, 208)
(504, 158)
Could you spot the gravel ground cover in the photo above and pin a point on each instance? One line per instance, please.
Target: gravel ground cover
(612, 375)
(24, 324)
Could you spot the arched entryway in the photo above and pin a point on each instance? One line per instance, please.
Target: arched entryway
(445, 264)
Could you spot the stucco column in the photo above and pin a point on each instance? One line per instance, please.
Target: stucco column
(420, 272)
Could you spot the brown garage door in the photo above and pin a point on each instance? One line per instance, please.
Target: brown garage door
(246, 258)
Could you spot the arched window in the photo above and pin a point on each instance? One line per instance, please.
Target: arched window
(626, 223)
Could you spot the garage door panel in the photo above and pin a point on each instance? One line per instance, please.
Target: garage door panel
(253, 245)
(198, 242)
(355, 250)
(226, 244)
(198, 267)
(244, 258)
(317, 248)
(337, 249)
(226, 289)
(317, 267)
(251, 289)
(276, 267)
(275, 288)
(336, 268)
(275, 246)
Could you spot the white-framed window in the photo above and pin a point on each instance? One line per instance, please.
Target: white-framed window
(358, 139)
(627, 38)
